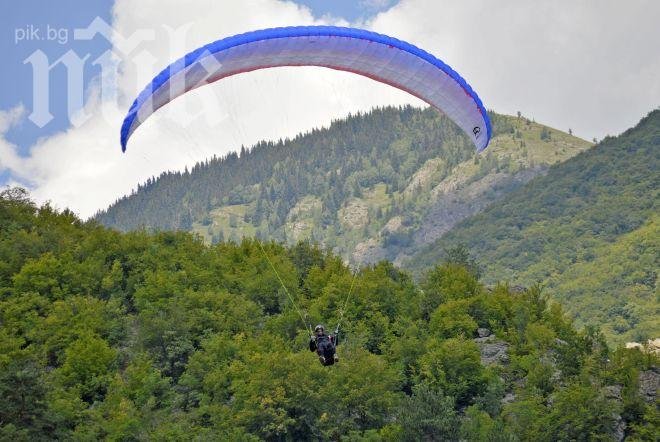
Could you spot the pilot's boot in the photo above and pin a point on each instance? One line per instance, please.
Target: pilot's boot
(336, 358)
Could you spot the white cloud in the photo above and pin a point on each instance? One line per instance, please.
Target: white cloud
(376, 4)
(83, 168)
(11, 117)
(591, 66)
(9, 159)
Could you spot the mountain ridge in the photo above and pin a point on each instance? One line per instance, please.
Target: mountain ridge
(577, 223)
(341, 186)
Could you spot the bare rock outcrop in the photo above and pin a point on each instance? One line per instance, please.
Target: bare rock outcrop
(492, 350)
(649, 382)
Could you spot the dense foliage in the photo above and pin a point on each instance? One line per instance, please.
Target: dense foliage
(132, 336)
(329, 163)
(588, 230)
(376, 178)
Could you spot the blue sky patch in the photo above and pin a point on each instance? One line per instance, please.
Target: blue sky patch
(30, 26)
(351, 10)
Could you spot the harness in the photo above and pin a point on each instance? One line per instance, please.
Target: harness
(320, 340)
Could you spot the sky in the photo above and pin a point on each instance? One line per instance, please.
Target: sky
(72, 68)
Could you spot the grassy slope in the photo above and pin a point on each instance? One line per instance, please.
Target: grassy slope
(366, 170)
(521, 147)
(617, 288)
(574, 220)
(225, 219)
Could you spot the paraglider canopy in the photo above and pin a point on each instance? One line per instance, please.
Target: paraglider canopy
(382, 58)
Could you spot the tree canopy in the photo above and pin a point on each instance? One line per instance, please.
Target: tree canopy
(132, 336)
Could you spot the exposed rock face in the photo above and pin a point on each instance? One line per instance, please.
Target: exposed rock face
(483, 332)
(355, 215)
(619, 428)
(459, 203)
(649, 382)
(423, 176)
(651, 346)
(492, 350)
(483, 339)
(508, 398)
(393, 225)
(369, 251)
(300, 220)
(613, 392)
(298, 228)
(453, 200)
(654, 345)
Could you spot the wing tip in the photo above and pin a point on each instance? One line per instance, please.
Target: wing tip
(123, 140)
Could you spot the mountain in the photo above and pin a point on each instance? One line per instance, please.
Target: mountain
(372, 186)
(157, 336)
(588, 230)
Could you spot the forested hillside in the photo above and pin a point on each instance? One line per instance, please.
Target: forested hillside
(588, 230)
(372, 186)
(159, 336)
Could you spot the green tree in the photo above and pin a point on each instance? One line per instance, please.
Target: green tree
(428, 415)
(454, 366)
(87, 367)
(580, 412)
(452, 319)
(447, 282)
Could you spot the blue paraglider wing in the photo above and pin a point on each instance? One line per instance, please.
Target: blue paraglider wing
(382, 58)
